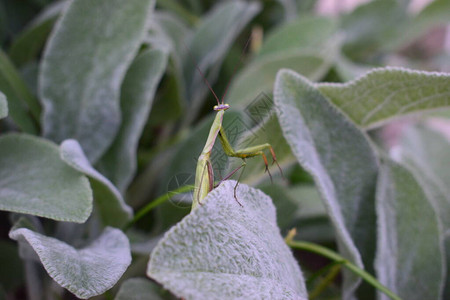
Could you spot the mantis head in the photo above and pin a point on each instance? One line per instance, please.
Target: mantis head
(221, 107)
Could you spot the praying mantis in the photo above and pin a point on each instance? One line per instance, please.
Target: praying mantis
(204, 176)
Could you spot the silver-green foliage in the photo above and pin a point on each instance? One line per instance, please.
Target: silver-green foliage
(387, 93)
(340, 159)
(425, 152)
(410, 252)
(111, 206)
(35, 180)
(85, 272)
(84, 62)
(138, 89)
(226, 251)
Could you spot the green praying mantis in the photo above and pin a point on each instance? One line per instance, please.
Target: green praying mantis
(204, 176)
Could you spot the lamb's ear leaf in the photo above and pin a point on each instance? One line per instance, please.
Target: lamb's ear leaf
(34, 180)
(328, 145)
(85, 272)
(423, 151)
(387, 93)
(410, 243)
(83, 65)
(223, 248)
(111, 206)
(137, 93)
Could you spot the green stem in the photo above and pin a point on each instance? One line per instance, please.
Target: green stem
(161, 199)
(322, 271)
(325, 282)
(311, 247)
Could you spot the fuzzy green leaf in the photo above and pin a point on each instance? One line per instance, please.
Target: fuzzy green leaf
(85, 272)
(34, 180)
(138, 89)
(112, 208)
(226, 251)
(409, 248)
(84, 63)
(387, 93)
(339, 158)
(424, 152)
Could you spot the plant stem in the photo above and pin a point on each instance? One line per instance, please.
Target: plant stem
(311, 247)
(161, 199)
(325, 282)
(322, 271)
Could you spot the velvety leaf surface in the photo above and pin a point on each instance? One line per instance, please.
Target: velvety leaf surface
(109, 202)
(224, 251)
(138, 289)
(85, 272)
(409, 248)
(3, 106)
(339, 158)
(34, 180)
(138, 89)
(425, 152)
(387, 93)
(84, 63)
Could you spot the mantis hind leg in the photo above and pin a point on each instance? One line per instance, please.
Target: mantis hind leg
(237, 182)
(249, 152)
